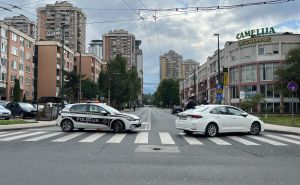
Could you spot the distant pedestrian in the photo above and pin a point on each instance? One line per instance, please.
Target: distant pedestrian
(190, 105)
(134, 107)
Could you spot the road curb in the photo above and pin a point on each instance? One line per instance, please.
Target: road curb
(282, 132)
(22, 128)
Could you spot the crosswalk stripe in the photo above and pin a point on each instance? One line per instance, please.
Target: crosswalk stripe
(283, 139)
(68, 137)
(166, 139)
(2, 133)
(92, 138)
(218, 141)
(267, 141)
(192, 141)
(292, 136)
(242, 140)
(141, 138)
(10, 134)
(21, 136)
(38, 138)
(117, 138)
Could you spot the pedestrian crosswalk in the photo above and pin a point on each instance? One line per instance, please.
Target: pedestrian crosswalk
(161, 138)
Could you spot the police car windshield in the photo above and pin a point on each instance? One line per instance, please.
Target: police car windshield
(110, 109)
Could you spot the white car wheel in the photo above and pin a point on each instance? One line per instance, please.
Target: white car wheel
(255, 128)
(211, 130)
(67, 125)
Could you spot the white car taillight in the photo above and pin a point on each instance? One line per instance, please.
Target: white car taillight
(195, 116)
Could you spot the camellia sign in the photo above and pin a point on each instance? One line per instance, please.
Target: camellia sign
(255, 32)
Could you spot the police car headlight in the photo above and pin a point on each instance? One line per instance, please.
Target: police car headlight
(130, 119)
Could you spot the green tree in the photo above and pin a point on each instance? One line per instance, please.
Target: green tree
(89, 89)
(251, 103)
(72, 85)
(167, 93)
(288, 71)
(17, 91)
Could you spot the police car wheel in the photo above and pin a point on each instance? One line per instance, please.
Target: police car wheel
(67, 125)
(118, 127)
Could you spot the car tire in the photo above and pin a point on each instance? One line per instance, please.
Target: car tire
(22, 115)
(255, 128)
(6, 118)
(188, 132)
(81, 129)
(117, 127)
(211, 130)
(67, 125)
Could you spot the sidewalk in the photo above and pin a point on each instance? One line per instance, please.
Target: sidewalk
(28, 125)
(282, 129)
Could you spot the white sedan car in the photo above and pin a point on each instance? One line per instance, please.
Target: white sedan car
(214, 119)
(95, 116)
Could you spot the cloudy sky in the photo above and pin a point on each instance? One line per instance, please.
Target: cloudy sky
(188, 33)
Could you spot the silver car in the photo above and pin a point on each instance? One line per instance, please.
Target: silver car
(5, 113)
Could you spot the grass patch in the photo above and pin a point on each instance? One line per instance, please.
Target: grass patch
(15, 121)
(285, 120)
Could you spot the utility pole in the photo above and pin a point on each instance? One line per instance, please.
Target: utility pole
(62, 67)
(195, 98)
(219, 70)
(79, 92)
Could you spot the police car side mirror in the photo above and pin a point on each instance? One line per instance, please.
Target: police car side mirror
(104, 112)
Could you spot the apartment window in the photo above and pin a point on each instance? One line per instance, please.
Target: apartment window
(3, 62)
(249, 73)
(233, 75)
(14, 51)
(27, 81)
(234, 92)
(269, 49)
(21, 67)
(14, 37)
(3, 33)
(28, 56)
(21, 79)
(13, 64)
(22, 42)
(267, 71)
(3, 77)
(27, 69)
(4, 47)
(13, 77)
(27, 93)
(22, 53)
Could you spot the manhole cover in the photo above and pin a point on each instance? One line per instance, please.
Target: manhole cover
(156, 149)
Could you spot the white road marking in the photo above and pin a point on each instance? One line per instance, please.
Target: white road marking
(166, 139)
(21, 136)
(267, 141)
(218, 141)
(68, 137)
(10, 134)
(141, 138)
(2, 133)
(292, 136)
(117, 138)
(43, 136)
(283, 139)
(192, 141)
(242, 140)
(92, 138)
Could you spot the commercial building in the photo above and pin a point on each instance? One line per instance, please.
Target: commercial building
(22, 23)
(119, 42)
(250, 64)
(48, 65)
(96, 48)
(170, 65)
(90, 66)
(53, 18)
(17, 50)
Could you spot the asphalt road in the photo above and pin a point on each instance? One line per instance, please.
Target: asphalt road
(47, 157)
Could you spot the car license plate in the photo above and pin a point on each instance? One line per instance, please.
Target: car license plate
(182, 117)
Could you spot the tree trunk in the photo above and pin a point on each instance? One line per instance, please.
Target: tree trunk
(281, 106)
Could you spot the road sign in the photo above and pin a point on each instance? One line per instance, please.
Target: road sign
(292, 86)
(219, 86)
(219, 97)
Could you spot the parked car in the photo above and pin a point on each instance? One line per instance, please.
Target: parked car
(4, 103)
(5, 113)
(39, 107)
(95, 116)
(176, 109)
(21, 109)
(215, 119)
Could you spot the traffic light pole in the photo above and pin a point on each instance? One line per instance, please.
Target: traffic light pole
(62, 68)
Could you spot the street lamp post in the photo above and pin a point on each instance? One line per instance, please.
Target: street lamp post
(219, 70)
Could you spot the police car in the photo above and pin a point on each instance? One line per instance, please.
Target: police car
(95, 116)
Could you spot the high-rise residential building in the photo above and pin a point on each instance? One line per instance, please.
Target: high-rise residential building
(48, 66)
(96, 48)
(171, 66)
(188, 66)
(22, 23)
(53, 18)
(17, 51)
(139, 66)
(90, 66)
(119, 42)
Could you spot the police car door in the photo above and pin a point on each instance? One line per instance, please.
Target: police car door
(98, 119)
(79, 115)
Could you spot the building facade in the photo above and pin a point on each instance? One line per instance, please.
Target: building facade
(90, 66)
(250, 65)
(188, 66)
(170, 65)
(48, 63)
(53, 18)
(96, 48)
(119, 42)
(139, 66)
(22, 23)
(17, 51)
